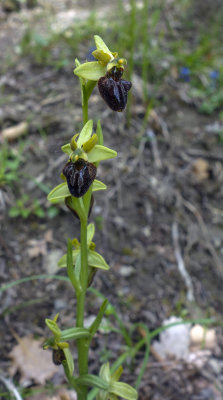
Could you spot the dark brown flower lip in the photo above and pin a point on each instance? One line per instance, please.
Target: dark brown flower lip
(114, 91)
(80, 175)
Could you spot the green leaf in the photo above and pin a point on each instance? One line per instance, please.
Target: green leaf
(98, 185)
(91, 70)
(96, 260)
(70, 269)
(92, 381)
(99, 153)
(74, 333)
(123, 390)
(95, 325)
(66, 149)
(90, 233)
(69, 361)
(58, 193)
(100, 44)
(85, 133)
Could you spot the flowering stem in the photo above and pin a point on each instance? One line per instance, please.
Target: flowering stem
(84, 104)
(82, 344)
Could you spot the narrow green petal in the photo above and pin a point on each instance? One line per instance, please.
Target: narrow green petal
(99, 153)
(85, 133)
(91, 70)
(90, 233)
(59, 193)
(100, 44)
(96, 260)
(98, 185)
(66, 149)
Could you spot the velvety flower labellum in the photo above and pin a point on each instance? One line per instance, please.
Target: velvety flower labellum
(80, 176)
(114, 90)
(58, 356)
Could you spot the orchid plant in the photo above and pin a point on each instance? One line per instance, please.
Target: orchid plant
(85, 151)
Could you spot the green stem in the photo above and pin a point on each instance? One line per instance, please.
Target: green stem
(83, 344)
(84, 105)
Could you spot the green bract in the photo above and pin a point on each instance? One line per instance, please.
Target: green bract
(95, 260)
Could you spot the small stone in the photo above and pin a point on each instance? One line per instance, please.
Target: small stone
(126, 270)
(50, 261)
(201, 337)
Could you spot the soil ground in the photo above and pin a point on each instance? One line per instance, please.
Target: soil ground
(167, 179)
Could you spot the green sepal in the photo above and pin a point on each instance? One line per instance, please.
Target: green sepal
(58, 193)
(95, 325)
(52, 325)
(74, 333)
(96, 260)
(91, 380)
(101, 56)
(123, 390)
(70, 269)
(98, 185)
(92, 71)
(90, 233)
(69, 361)
(85, 133)
(100, 44)
(99, 153)
(63, 260)
(66, 148)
